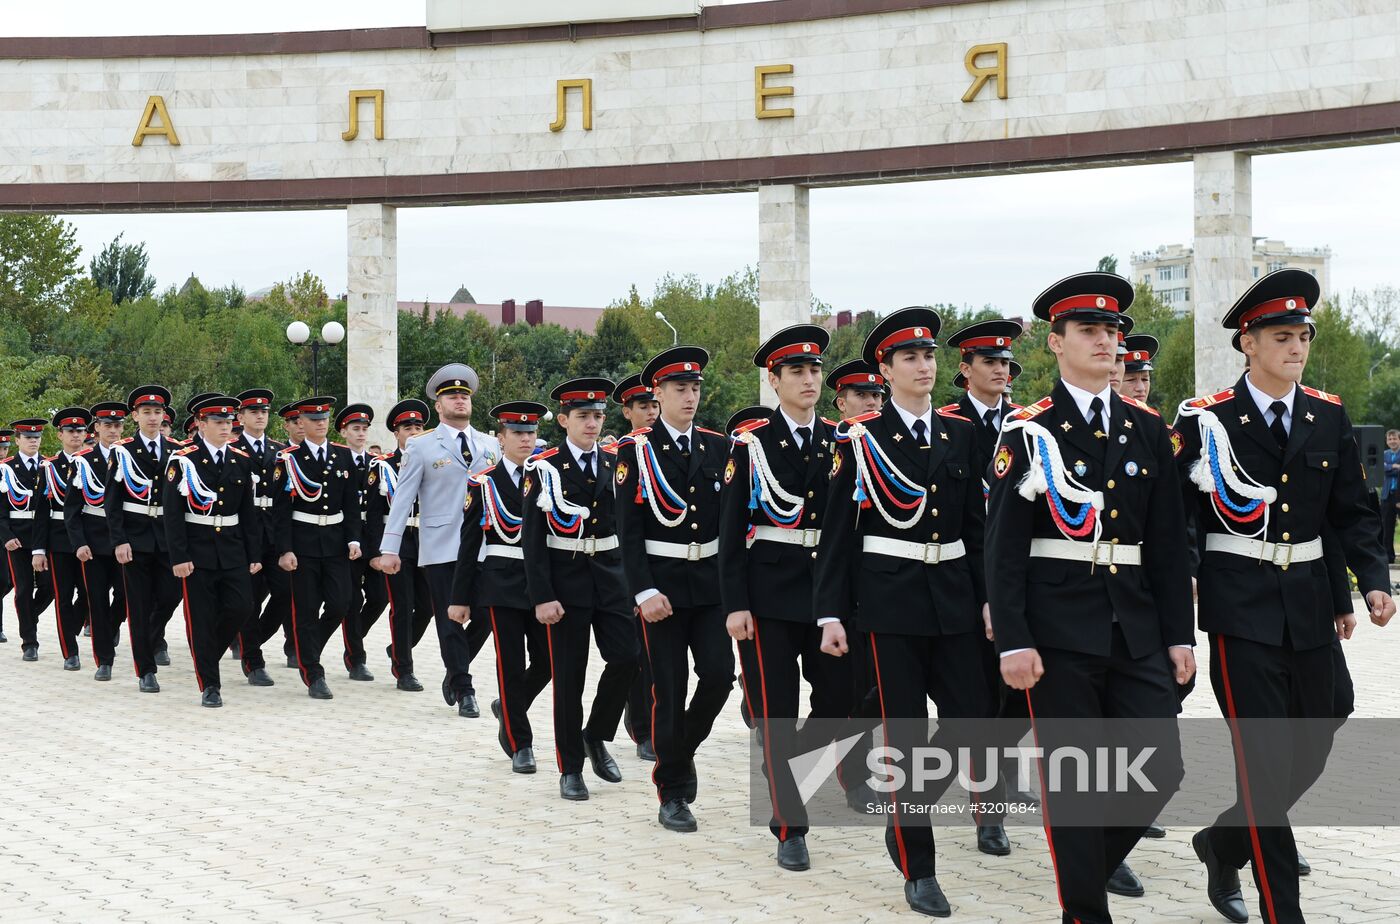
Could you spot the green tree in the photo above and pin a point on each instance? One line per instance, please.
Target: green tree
(1339, 359)
(120, 269)
(38, 267)
(1108, 264)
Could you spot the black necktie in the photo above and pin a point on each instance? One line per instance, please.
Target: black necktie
(257, 446)
(33, 466)
(462, 445)
(921, 433)
(1096, 416)
(804, 437)
(683, 441)
(989, 419)
(152, 447)
(320, 455)
(515, 476)
(587, 459)
(218, 458)
(1277, 428)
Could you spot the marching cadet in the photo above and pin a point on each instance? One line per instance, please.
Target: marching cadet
(6, 443)
(290, 415)
(910, 532)
(1268, 465)
(774, 498)
(488, 581)
(367, 597)
(433, 480)
(291, 421)
(1089, 577)
(1115, 378)
(23, 529)
(85, 516)
(406, 590)
(270, 583)
(57, 477)
(668, 487)
(316, 511)
(133, 504)
(214, 537)
(574, 573)
(640, 409)
(856, 388)
(1137, 366)
(167, 424)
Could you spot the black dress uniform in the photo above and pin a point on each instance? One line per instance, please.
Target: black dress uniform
(767, 565)
(271, 606)
(25, 522)
(85, 517)
(1100, 594)
(64, 568)
(672, 548)
(637, 716)
(316, 496)
(211, 521)
(6, 444)
(489, 577)
(133, 503)
(367, 596)
(288, 412)
(572, 557)
(915, 536)
(1273, 476)
(405, 591)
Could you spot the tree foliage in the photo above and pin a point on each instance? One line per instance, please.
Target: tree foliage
(120, 270)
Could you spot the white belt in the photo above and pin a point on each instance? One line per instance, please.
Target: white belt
(215, 520)
(690, 551)
(505, 551)
(930, 553)
(92, 511)
(807, 538)
(21, 514)
(1094, 553)
(318, 519)
(143, 509)
(263, 502)
(1275, 553)
(412, 521)
(589, 545)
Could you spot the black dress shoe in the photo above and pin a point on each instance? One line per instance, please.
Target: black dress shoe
(410, 683)
(501, 735)
(211, 698)
(292, 662)
(467, 708)
(925, 897)
(1125, 882)
(792, 854)
(645, 751)
(104, 672)
(1222, 882)
(319, 690)
(523, 760)
(3, 636)
(571, 787)
(71, 663)
(675, 815)
(360, 672)
(87, 630)
(162, 657)
(236, 650)
(148, 683)
(604, 767)
(31, 653)
(258, 677)
(1304, 867)
(449, 694)
(991, 839)
(1155, 830)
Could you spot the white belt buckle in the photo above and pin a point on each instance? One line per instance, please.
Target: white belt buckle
(809, 538)
(692, 552)
(1100, 559)
(323, 519)
(937, 553)
(1287, 549)
(589, 545)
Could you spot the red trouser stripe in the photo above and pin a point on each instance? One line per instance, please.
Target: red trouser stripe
(501, 679)
(1045, 806)
(884, 727)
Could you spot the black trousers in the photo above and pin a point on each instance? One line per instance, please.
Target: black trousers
(1257, 681)
(5, 588)
(677, 731)
(368, 597)
(615, 635)
(66, 578)
(516, 632)
(410, 613)
(106, 602)
(217, 602)
(639, 696)
(320, 600)
(269, 607)
(568, 659)
(773, 663)
(1079, 686)
(909, 670)
(161, 615)
(149, 587)
(33, 594)
(459, 644)
(1390, 511)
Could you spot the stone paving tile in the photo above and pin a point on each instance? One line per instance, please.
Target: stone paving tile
(384, 806)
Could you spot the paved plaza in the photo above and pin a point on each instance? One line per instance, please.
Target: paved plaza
(385, 806)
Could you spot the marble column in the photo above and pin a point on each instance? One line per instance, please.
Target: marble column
(784, 265)
(1220, 262)
(372, 338)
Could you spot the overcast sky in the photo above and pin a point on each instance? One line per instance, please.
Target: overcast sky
(995, 240)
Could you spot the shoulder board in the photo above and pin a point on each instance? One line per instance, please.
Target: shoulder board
(611, 449)
(1208, 400)
(829, 422)
(951, 411)
(750, 426)
(546, 453)
(709, 431)
(127, 440)
(184, 452)
(1317, 393)
(240, 451)
(383, 457)
(1141, 406)
(869, 415)
(639, 431)
(1031, 410)
(52, 458)
(287, 450)
(948, 409)
(341, 445)
(427, 431)
(486, 471)
(84, 451)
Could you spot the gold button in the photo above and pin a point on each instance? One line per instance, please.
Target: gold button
(1144, 469)
(694, 525)
(1285, 478)
(1112, 569)
(1114, 540)
(221, 490)
(221, 503)
(811, 516)
(594, 520)
(693, 507)
(933, 489)
(595, 503)
(325, 507)
(814, 554)
(1110, 484)
(1324, 463)
(811, 493)
(935, 511)
(1285, 537)
(1285, 507)
(1113, 514)
(935, 537)
(692, 489)
(218, 529)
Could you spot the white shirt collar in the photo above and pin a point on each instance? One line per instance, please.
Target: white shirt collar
(210, 448)
(27, 459)
(578, 453)
(1084, 398)
(511, 467)
(677, 434)
(315, 447)
(909, 418)
(981, 408)
(453, 432)
(1262, 401)
(792, 425)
